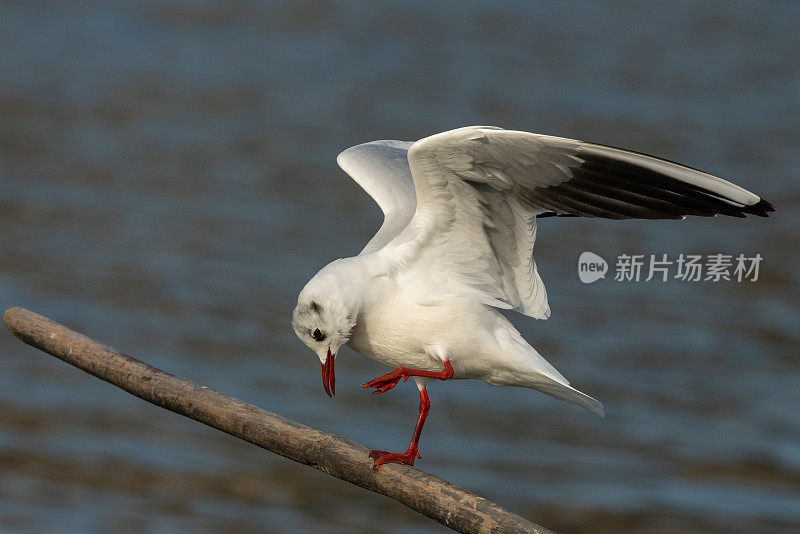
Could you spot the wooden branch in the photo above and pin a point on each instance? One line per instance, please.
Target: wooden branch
(335, 455)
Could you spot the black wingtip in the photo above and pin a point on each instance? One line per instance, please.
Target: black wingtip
(762, 208)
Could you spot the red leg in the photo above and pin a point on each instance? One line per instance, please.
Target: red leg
(389, 380)
(408, 457)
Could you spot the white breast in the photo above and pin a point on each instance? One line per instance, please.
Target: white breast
(406, 328)
(389, 330)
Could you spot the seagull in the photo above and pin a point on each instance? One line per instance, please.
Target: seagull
(456, 246)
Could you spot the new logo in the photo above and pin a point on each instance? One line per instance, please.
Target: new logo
(591, 267)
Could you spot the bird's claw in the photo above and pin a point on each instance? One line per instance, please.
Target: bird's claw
(385, 457)
(387, 381)
(375, 454)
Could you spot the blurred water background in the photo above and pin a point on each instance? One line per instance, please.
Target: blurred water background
(168, 184)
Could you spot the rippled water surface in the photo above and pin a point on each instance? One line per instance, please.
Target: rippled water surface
(168, 184)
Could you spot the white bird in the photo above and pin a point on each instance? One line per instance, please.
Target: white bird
(456, 246)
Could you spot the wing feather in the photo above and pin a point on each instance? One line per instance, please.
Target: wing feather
(381, 169)
(479, 191)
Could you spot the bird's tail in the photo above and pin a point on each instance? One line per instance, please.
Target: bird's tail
(567, 393)
(527, 368)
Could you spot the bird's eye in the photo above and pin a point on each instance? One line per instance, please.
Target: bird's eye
(319, 336)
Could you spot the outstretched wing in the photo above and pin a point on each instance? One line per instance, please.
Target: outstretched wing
(381, 169)
(479, 190)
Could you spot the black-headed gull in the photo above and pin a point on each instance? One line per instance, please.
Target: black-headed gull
(456, 245)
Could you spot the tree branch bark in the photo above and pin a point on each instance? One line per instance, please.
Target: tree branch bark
(335, 455)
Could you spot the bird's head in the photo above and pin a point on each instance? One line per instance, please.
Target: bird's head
(323, 319)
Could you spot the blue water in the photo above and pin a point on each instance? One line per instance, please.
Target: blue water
(168, 184)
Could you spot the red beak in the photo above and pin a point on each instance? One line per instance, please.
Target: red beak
(328, 375)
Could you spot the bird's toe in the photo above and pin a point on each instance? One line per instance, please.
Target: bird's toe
(375, 454)
(383, 457)
(385, 382)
